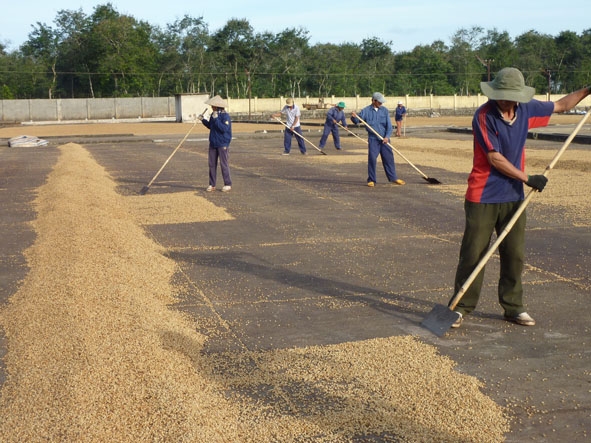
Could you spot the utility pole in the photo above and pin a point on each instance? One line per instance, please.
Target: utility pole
(486, 63)
(548, 75)
(249, 93)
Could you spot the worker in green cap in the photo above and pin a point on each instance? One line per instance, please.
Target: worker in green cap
(333, 116)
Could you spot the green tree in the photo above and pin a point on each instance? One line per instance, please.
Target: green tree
(566, 69)
(430, 69)
(20, 77)
(536, 52)
(232, 47)
(288, 50)
(109, 54)
(325, 65)
(467, 68)
(498, 49)
(182, 56)
(74, 54)
(377, 62)
(584, 75)
(124, 53)
(347, 82)
(42, 48)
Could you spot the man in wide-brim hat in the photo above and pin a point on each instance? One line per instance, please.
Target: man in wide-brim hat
(495, 186)
(220, 136)
(217, 102)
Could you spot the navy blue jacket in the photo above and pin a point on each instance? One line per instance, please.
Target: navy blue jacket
(220, 129)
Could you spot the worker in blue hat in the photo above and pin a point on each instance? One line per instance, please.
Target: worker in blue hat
(334, 116)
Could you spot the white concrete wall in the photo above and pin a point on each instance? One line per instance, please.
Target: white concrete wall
(184, 106)
(431, 102)
(85, 109)
(189, 106)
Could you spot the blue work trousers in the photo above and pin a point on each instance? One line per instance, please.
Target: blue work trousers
(287, 136)
(375, 148)
(330, 129)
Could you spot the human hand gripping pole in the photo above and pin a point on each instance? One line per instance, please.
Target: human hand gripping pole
(301, 136)
(430, 180)
(147, 187)
(441, 317)
(537, 182)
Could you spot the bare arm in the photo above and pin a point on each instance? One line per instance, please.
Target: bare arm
(501, 164)
(569, 101)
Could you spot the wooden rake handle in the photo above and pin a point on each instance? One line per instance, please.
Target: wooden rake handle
(301, 136)
(352, 133)
(392, 147)
(176, 149)
(456, 298)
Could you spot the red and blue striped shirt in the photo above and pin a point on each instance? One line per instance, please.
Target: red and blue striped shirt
(493, 133)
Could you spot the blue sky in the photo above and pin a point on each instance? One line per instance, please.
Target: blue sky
(407, 24)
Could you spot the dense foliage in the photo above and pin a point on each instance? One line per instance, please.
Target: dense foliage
(108, 54)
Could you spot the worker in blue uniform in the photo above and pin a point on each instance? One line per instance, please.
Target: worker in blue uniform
(334, 116)
(378, 117)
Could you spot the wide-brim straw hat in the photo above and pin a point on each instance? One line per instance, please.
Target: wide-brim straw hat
(217, 101)
(509, 85)
(289, 101)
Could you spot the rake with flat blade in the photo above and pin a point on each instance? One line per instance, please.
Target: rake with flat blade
(147, 187)
(301, 136)
(442, 317)
(430, 180)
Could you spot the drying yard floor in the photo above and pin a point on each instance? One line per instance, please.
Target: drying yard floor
(287, 310)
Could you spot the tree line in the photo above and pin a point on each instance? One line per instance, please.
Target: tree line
(108, 54)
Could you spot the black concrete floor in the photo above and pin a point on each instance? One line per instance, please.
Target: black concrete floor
(313, 257)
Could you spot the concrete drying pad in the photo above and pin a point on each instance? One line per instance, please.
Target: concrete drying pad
(312, 256)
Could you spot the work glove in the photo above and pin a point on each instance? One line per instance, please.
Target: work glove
(538, 182)
(214, 115)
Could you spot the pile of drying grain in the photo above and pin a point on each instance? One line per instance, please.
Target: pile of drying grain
(96, 354)
(92, 347)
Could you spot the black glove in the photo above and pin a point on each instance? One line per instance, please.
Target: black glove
(537, 182)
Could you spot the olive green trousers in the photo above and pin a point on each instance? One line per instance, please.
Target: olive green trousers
(481, 220)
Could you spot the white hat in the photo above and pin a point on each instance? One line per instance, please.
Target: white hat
(400, 103)
(217, 101)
